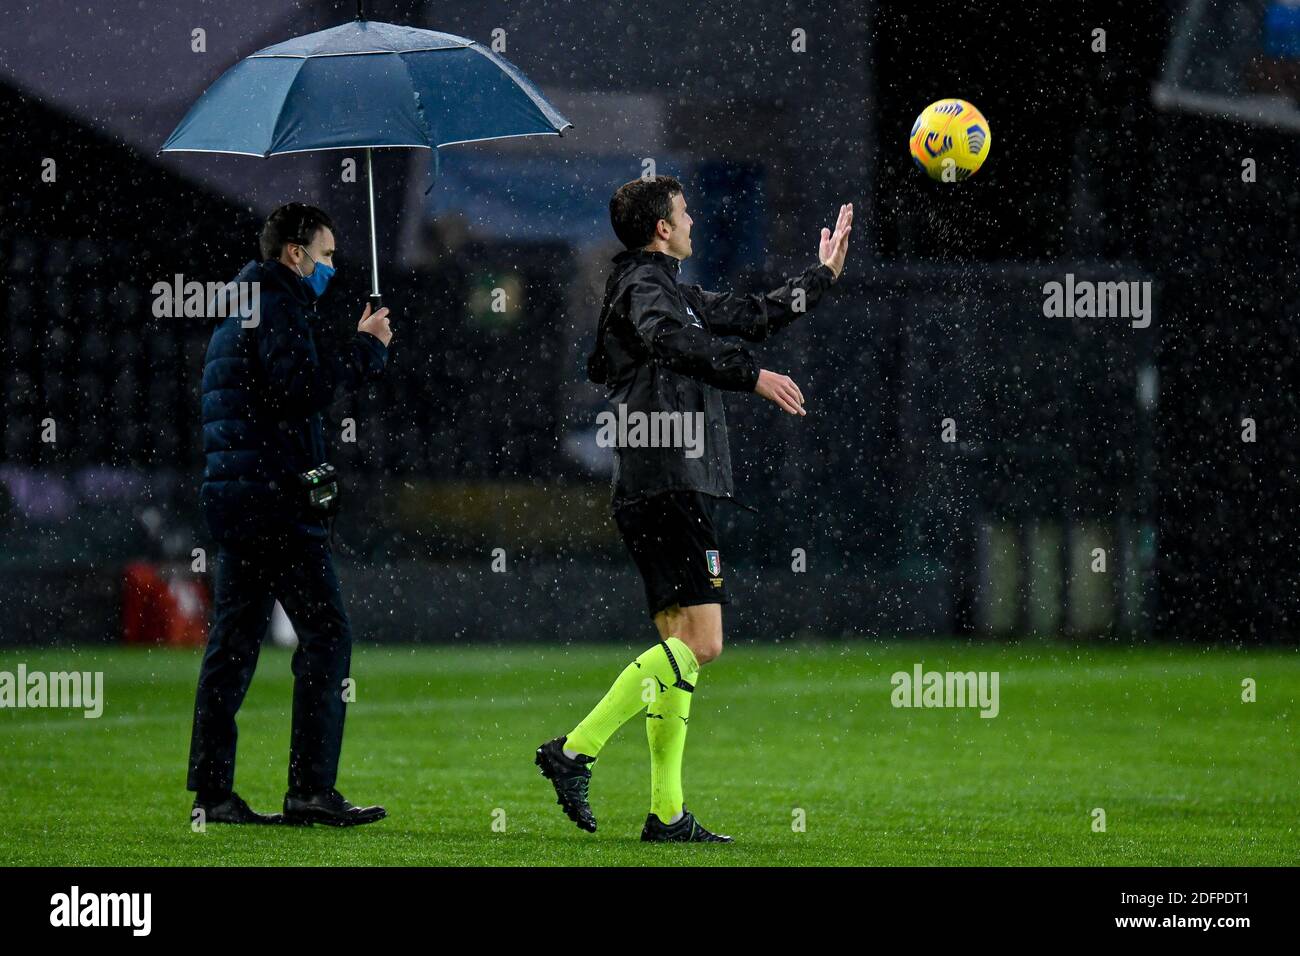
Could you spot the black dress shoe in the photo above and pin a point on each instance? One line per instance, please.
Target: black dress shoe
(329, 808)
(233, 809)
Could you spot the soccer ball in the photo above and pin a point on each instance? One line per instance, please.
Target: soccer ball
(950, 140)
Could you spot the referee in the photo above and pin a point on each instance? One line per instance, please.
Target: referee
(666, 347)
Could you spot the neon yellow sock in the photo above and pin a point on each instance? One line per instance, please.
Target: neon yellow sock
(665, 728)
(642, 682)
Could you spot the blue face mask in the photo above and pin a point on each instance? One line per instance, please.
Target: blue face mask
(320, 277)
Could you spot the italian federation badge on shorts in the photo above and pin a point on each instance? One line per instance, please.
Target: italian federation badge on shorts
(715, 567)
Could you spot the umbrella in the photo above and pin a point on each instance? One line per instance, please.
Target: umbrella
(370, 85)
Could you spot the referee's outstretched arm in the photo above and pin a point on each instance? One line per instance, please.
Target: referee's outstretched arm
(755, 316)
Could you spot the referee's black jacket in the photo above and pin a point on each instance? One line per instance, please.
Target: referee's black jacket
(661, 347)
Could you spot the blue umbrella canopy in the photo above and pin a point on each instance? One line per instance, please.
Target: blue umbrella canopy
(365, 84)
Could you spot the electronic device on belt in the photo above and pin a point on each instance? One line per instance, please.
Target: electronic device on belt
(322, 488)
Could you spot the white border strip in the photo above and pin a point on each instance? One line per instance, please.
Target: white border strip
(1275, 111)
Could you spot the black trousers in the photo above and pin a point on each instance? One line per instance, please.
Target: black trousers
(249, 578)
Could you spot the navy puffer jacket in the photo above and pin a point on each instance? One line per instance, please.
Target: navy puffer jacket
(264, 389)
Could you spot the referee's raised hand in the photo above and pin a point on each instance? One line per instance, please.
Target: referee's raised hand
(781, 389)
(834, 246)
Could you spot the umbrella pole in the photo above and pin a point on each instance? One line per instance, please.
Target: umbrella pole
(375, 301)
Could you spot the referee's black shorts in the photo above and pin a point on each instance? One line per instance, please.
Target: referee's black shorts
(675, 546)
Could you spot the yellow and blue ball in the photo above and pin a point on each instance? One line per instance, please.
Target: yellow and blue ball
(950, 140)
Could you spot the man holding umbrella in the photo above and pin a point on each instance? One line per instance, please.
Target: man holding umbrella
(268, 496)
(265, 386)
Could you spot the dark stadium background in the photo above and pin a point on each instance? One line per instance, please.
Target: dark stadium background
(467, 446)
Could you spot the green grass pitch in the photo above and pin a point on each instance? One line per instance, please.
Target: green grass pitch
(1158, 737)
